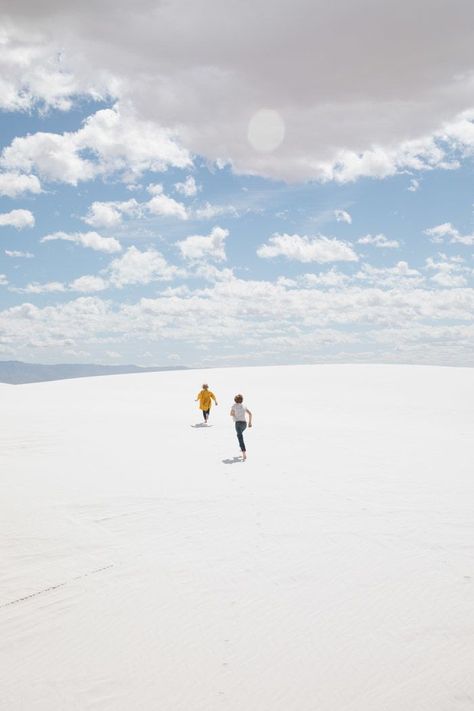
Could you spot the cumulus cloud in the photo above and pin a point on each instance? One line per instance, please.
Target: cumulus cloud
(210, 246)
(211, 273)
(449, 271)
(319, 249)
(53, 156)
(449, 280)
(133, 267)
(382, 162)
(400, 275)
(88, 283)
(329, 279)
(109, 214)
(343, 216)
(37, 288)
(17, 218)
(278, 319)
(136, 267)
(447, 230)
(84, 284)
(400, 116)
(209, 211)
(116, 141)
(3, 280)
(163, 205)
(380, 241)
(188, 188)
(32, 71)
(414, 185)
(15, 184)
(155, 188)
(92, 240)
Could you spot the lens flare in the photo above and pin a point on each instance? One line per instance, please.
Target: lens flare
(266, 130)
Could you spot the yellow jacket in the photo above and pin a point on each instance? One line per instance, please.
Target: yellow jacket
(204, 398)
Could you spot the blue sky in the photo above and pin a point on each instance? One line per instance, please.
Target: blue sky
(246, 227)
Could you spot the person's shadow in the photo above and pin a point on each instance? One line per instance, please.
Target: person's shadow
(234, 460)
(201, 424)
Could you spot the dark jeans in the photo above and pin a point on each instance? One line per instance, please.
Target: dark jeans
(205, 414)
(240, 428)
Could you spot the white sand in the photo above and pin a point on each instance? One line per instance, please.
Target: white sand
(334, 570)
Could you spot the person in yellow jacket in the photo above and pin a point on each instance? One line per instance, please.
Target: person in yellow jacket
(205, 398)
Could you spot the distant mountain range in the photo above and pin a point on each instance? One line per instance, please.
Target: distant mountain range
(16, 372)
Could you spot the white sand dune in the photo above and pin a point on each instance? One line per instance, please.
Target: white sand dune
(332, 571)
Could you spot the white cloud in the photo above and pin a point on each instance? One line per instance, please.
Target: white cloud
(117, 141)
(92, 240)
(136, 267)
(188, 188)
(414, 185)
(163, 205)
(342, 216)
(401, 275)
(109, 214)
(126, 143)
(3, 280)
(463, 239)
(36, 288)
(382, 162)
(155, 188)
(88, 283)
(17, 218)
(447, 230)
(53, 156)
(210, 246)
(331, 278)
(212, 273)
(440, 231)
(449, 280)
(32, 70)
(449, 271)
(380, 241)
(281, 319)
(307, 249)
(15, 184)
(209, 211)
(18, 253)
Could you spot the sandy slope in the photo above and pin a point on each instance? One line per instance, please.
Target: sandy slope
(332, 571)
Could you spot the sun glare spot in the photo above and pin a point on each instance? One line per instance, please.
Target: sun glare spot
(266, 130)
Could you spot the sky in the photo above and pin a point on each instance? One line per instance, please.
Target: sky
(242, 183)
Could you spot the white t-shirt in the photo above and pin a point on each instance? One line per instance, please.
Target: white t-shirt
(239, 412)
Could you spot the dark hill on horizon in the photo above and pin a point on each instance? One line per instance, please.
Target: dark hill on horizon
(16, 372)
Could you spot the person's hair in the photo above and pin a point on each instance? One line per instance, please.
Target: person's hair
(205, 386)
(238, 399)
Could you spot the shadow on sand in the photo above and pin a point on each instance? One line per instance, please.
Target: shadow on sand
(234, 460)
(201, 424)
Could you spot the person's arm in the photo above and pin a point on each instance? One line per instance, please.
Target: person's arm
(214, 398)
(231, 413)
(250, 418)
(198, 397)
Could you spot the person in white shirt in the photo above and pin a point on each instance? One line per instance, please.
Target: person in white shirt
(239, 413)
